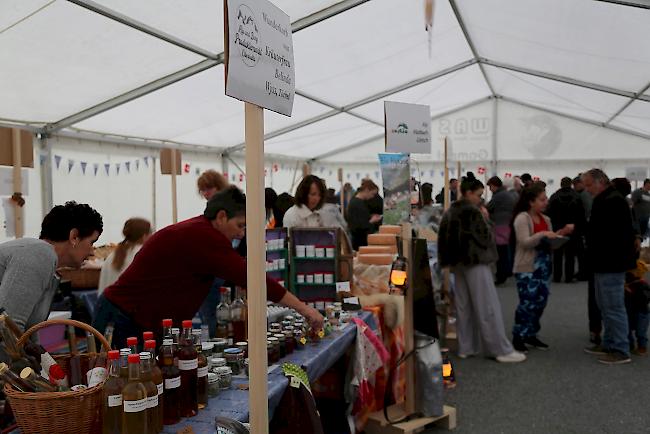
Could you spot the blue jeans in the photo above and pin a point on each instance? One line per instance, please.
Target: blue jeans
(125, 327)
(208, 310)
(610, 296)
(639, 322)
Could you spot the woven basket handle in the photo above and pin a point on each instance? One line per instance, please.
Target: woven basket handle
(70, 322)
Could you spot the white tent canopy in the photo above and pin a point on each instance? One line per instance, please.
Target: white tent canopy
(153, 70)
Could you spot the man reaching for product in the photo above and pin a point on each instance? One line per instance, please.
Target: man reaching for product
(171, 275)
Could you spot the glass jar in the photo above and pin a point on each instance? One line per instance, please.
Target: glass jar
(234, 360)
(213, 384)
(275, 350)
(220, 345)
(246, 367)
(269, 353)
(286, 323)
(216, 362)
(243, 346)
(282, 344)
(225, 377)
(301, 341)
(289, 341)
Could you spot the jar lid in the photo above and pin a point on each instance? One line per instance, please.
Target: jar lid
(241, 344)
(207, 346)
(223, 370)
(212, 377)
(218, 361)
(290, 328)
(273, 339)
(219, 341)
(279, 336)
(233, 351)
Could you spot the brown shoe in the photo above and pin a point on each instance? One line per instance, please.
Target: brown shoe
(615, 358)
(640, 351)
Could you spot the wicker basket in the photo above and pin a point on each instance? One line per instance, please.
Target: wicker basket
(58, 412)
(83, 278)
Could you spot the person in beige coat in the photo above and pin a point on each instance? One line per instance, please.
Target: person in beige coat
(533, 264)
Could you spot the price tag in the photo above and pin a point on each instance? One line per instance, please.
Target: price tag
(351, 300)
(185, 430)
(303, 340)
(342, 286)
(295, 382)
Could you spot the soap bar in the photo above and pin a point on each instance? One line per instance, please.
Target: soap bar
(376, 258)
(382, 240)
(390, 229)
(378, 249)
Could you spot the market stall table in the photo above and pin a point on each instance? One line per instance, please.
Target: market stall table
(316, 359)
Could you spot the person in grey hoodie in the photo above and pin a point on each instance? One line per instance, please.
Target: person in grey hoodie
(501, 208)
(28, 278)
(641, 205)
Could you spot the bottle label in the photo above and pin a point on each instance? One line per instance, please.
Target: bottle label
(160, 388)
(152, 402)
(96, 376)
(172, 383)
(115, 400)
(135, 406)
(46, 362)
(79, 387)
(230, 341)
(188, 365)
(202, 372)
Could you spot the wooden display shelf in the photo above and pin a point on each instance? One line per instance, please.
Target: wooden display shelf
(313, 258)
(377, 423)
(315, 284)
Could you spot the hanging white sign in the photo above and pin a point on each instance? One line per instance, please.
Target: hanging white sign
(407, 127)
(7, 181)
(259, 55)
(636, 173)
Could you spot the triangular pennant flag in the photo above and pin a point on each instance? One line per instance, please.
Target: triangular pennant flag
(128, 166)
(70, 165)
(442, 173)
(137, 164)
(233, 178)
(330, 173)
(42, 159)
(57, 160)
(117, 168)
(83, 167)
(197, 171)
(95, 168)
(431, 172)
(146, 161)
(107, 167)
(376, 174)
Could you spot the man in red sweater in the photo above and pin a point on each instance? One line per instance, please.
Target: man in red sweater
(172, 273)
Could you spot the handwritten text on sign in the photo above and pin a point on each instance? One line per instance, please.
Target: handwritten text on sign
(408, 128)
(259, 55)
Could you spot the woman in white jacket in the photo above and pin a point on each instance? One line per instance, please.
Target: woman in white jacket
(310, 210)
(135, 231)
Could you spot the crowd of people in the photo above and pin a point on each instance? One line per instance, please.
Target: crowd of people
(537, 239)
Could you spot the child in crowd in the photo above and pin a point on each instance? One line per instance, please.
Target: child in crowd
(637, 297)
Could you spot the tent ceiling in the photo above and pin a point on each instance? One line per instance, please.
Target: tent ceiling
(584, 59)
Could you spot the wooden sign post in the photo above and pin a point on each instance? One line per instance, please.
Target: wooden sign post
(170, 164)
(17, 151)
(259, 71)
(340, 177)
(17, 180)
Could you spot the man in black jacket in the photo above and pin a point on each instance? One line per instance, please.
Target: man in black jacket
(611, 252)
(565, 207)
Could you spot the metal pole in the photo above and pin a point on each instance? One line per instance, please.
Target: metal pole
(47, 201)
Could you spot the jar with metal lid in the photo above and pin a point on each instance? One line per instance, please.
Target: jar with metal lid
(282, 344)
(243, 346)
(275, 350)
(220, 345)
(290, 318)
(246, 367)
(213, 384)
(269, 353)
(289, 341)
(301, 341)
(286, 323)
(216, 362)
(225, 377)
(207, 348)
(234, 360)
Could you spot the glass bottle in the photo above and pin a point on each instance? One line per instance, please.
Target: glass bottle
(74, 364)
(49, 367)
(172, 382)
(12, 378)
(112, 396)
(108, 333)
(97, 369)
(176, 335)
(188, 365)
(157, 378)
(238, 312)
(132, 343)
(224, 317)
(201, 372)
(152, 392)
(124, 365)
(134, 400)
(39, 383)
(147, 336)
(167, 325)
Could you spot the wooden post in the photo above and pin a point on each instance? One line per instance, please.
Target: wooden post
(407, 245)
(17, 180)
(174, 199)
(256, 260)
(340, 175)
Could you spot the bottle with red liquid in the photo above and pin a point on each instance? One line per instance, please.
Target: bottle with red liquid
(172, 384)
(188, 364)
(132, 344)
(112, 396)
(153, 405)
(201, 372)
(238, 313)
(157, 378)
(224, 319)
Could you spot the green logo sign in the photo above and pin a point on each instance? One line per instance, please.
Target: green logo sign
(401, 129)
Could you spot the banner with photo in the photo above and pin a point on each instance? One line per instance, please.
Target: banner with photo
(396, 176)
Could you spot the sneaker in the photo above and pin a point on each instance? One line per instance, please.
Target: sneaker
(596, 350)
(640, 351)
(466, 356)
(594, 338)
(514, 357)
(519, 345)
(614, 358)
(536, 343)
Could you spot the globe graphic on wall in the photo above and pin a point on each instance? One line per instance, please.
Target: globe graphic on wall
(542, 135)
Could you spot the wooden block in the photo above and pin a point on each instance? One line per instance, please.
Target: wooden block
(390, 229)
(26, 148)
(382, 240)
(378, 249)
(166, 162)
(376, 258)
(377, 424)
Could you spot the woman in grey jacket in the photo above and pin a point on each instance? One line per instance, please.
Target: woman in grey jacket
(533, 264)
(466, 244)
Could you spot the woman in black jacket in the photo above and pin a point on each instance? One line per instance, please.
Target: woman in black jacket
(466, 244)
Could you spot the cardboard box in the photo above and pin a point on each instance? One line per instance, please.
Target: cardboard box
(6, 148)
(166, 162)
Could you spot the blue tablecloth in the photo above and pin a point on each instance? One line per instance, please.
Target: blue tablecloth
(315, 358)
